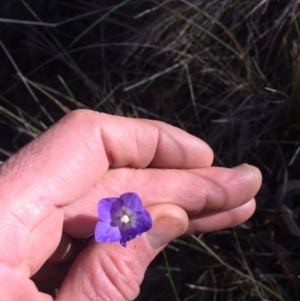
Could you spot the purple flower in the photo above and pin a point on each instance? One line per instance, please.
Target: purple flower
(121, 219)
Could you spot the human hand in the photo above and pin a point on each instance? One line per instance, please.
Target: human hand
(53, 185)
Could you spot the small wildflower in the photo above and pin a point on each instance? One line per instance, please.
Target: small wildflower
(121, 219)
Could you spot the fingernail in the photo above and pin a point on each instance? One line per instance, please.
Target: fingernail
(245, 167)
(163, 231)
(67, 250)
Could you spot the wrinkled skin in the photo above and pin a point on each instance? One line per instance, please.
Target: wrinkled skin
(50, 189)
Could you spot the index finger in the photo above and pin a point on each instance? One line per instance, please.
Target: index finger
(65, 162)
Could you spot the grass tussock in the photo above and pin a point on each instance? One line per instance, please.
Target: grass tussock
(224, 70)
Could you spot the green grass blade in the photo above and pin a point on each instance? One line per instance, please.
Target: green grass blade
(170, 277)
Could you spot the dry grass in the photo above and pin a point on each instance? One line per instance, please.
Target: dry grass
(224, 70)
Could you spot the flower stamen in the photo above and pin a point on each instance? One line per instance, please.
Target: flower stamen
(125, 219)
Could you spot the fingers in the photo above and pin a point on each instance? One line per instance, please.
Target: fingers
(199, 191)
(115, 273)
(142, 143)
(64, 163)
(50, 276)
(17, 287)
(209, 222)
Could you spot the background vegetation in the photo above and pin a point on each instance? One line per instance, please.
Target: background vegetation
(225, 70)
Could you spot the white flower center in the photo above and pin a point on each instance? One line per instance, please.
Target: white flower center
(125, 219)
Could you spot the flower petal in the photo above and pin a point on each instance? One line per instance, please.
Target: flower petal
(104, 232)
(117, 208)
(127, 235)
(132, 201)
(104, 208)
(143, 222)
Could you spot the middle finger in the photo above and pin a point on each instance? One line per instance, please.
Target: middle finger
(212, 189)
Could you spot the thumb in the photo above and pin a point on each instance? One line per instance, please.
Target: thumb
(108, 271)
